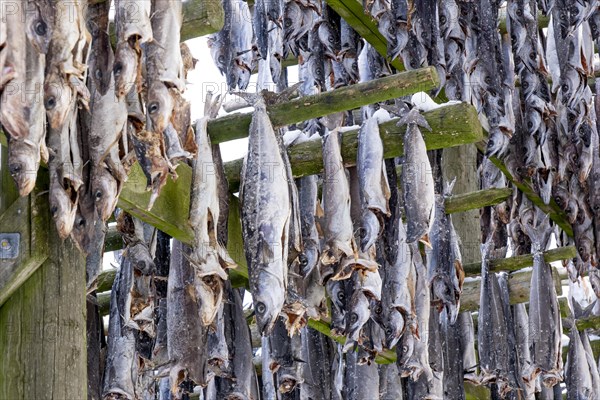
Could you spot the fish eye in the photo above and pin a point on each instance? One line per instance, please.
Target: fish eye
(341, 296)
(81, 222)
(442, 19)
(330, 39)
(404, 348)
(98, 73)
(565, 87)
(581, 250)
(303, 260)
(53, 211)
(98, 195)
(41, 28)
(388, 331)
(153, 107)
(15, 169)
(532, 55)
(378, 309)
(261, 308)
(519, 12)
(221, 59)
(50, 103)
(118, 68)
(513, 38)
(525, 85)
(353, 317)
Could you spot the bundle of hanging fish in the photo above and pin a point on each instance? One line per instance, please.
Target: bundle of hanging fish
(88, 110)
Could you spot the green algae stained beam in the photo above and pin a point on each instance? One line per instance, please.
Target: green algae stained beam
(236, 126)
(453, 125)
(519, 262)
(353, 13)
(526, 186)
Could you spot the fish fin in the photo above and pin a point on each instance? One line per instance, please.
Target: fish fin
(460, 274)
(414, 117)
(283, 96)
(425, 240)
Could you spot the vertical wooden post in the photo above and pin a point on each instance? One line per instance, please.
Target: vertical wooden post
(43, 324)
(43, 335)
(461, 163)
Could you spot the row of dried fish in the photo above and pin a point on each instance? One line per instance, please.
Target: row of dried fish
(104, 107)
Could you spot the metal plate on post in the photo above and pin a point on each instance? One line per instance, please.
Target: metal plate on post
(9, 245)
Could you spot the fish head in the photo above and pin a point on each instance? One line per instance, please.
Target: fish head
(405, 349)
(105, 192)
(370, 230)
(359, 314)
(376, 311)
(585, 247)
(39, 31)
(62, 209)
(141, 259)
(160, 106)
(394, 327)
(337, 294)
(268, 296)
(125, 69)
(57, 99)
(443, 291)
(308, 259)
(23, 164)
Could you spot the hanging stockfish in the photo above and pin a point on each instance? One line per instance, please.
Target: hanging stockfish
(545, 326)
(26, 152)
(209, 258)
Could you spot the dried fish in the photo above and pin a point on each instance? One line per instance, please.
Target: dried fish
(265, 217)
(417, 179)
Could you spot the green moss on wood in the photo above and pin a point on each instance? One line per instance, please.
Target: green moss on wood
(236, 126)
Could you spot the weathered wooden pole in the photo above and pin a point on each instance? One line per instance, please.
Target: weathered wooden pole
(236, 126)
(43, 334)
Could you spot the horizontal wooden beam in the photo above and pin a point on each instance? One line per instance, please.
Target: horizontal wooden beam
(518, 289)
(478, 199)
(453, 125)
(366, 26)
(526, 186)
(236, 126)
(519, 262)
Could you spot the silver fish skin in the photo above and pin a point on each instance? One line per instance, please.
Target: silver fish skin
(357, 315)
(13, 113)
(120, 367)
(240, 382)
(399, 290)
(242, 57)
(319, 354)
(545, 326)
(336, 290)
(218, 353)
(417, 179)
(372, 177)
(65, 62)
(467, 341)
(445, 269)
(390, 385)
(165, 63)
(585, 340)
(415, 359)
(107, 124)
(285, 351)
(454, 369)
(521, 321)
(101, 53)
(338, 229)
(269, 391)
(435, 386)
(492, 333)
(577, 373)
(39, 20)
(186, 347)
(209, 257)
(360, 381)
(25, 154)
(260, 24)
(329, 38)
(265, 217)
(308, 199)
